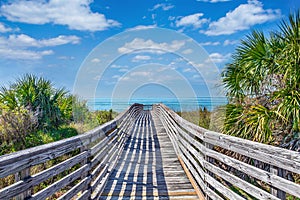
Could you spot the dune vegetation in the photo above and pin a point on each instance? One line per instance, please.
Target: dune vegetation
(262, 84)
(34, 112)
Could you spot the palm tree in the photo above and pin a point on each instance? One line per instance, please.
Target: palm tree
(263, 85)
(38, 96)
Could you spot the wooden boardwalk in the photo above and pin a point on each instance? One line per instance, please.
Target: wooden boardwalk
(155, 154)
(148, 167)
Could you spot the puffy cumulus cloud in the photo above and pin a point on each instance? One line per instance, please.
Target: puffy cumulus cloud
(20, 46)
(242, 18)
(149, 45)
(76, 14)
(194, 20)
(163, 6)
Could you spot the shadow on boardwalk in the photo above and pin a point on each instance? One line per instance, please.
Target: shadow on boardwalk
(147, 163)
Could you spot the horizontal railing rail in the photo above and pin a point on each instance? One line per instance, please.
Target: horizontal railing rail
(74, 167)
(226, 167)
(219, 166)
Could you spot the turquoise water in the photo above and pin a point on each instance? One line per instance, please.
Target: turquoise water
(181, 104)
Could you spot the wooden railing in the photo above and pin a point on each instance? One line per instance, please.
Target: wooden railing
(220, 166)
(226, 167)
(79, 165)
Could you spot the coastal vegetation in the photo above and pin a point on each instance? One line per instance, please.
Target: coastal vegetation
(34, 112)
(262, 84)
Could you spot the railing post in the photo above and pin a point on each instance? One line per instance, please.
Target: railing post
(210, 160)
(281, 173)
(19, 176)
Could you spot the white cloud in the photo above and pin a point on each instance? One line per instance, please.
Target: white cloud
(242, 18)
(123, 70)
(192, 20)
(149, 45)
(23, 54)
(153, 16)
(196, 76)
(187, 51)
(163, 6)
(119, 66)
(210, 43)
(4, 29)
(76, 14)
(197, 65)
(60, 40)
(116, 76)
(187, 70)
(218, 58)
(213, 1)
(23, 40)
(142, 27)
(66, 57)
(20, 46)
(141, 73)
(95, 60)
(138, 58)
(230, 42)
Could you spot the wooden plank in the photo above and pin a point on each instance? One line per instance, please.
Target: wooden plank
(51, 189)
(100, 177)
(265, 153)
(275, 191)
(253, 171)
(76, 189)
(148, 163)
(36, 179)
(222, 189)
(272, 155)
(210, 193)
(267, 149)
(101, 144)
(85, 195)
(267, 177)
(22, 175)
(15, 162)
(244, 185)
(193, 182)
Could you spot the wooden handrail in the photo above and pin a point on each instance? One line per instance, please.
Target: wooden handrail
(90, 158)
(221, 166)
(252, 169)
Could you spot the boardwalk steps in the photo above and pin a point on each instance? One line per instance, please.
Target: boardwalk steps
(151, 155)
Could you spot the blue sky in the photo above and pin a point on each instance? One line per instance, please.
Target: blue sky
(105, 48)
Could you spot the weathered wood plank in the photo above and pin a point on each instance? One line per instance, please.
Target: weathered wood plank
(279, 157)
(15, 162)
(76, 189)
(36, 179)
(257, 151)
(51, 189)
(141, 166)
(247, 187)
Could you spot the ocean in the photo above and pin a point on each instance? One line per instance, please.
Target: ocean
(180, 104)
